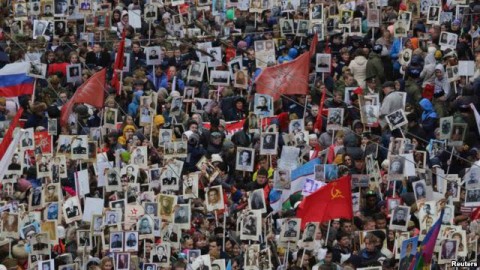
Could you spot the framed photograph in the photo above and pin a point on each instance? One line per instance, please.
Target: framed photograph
(161, 254)
(405, 56)
(51, 193)
(189, 94)
(84, 239)
(145, 226)
(263, 105)
(234, 66)
(400, 218)
(215, 58)
(129, 173)
(268, 143)
(46, 265)
(241, 79)
(245, 159)
(190, 186)
(166, 206)
(290, 230)
(396, 119)
(346, 16)
(220, 78)
(214, 198)
(79, 147)
(397, 165)
(408, 251)
(116, 241)
(335, 118)
(446, 128)
(308, 237)
(256, 201)
(60, 27)
(302, 28)
(373, 18)
(61, 8)
(154, 54)
(195, 72)
(251, 260)
(122, 261)
(316, 12)
(182, 216)
(296, 126)
(286, 27)
(310, 186)
(150, 13)
(110, 117)
(139, 156)
(420, 190)
(250, 227)
(74, 73)
(281, 179)
(392, 203)
(356, 27)
(472, 198)
(192, 255)
(37, 70)
(449, 251)
(433, 16)
(72, 210)
(323, 62)
(131, 241)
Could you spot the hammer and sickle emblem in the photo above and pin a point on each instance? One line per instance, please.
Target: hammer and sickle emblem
(335, 192)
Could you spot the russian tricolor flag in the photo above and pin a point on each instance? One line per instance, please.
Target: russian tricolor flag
(14, 80)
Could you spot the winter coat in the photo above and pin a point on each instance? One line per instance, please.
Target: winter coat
(358, 67)
(375, 67)
(429, 118)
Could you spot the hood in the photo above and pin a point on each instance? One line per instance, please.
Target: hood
(402, 85)
(426, 105)
(360, 60)
(292, 53)
(430, 59)
(440, 67)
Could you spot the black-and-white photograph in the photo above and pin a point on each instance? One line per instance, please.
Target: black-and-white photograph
(296, 126)
(252, 256)
(214, 198)
(433, 16)
(256, 201)
(122, 261)
(27, 142)
(84, 239)
(37, 70)
(241, 79)
(448, 40)
(245, 159)
(60, 27)
(472, 198)
(220, 78)
(195, 73)
(286, 27)
(420, 190)
(268, 143)
(290, 230)
(72, 210)
(316, 12)
(131, 241)
(74, 73)
(281, 179)
(139, 156)
(150, 13)
(250, 226)
(61, 8)
(400, 218)
(110, 117)
(79, 147)
(309, 234)
(46, 265)
(215, 58)
(449, 251)
(263, 105)
(161, 253)
(153, 54)
(396, 119)
(145, 226)
(446, 128)
(302, 27)
(335, 118)
(181, 216)
(397, 165)
(323, 63)
(116, 241)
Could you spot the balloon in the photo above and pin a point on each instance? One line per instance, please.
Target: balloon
(231, 14)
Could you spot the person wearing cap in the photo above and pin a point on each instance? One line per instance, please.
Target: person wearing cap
(291, 231)
(375, 64)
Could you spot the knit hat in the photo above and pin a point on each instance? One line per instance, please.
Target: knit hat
(242, 45)
(128, 128)
(158, 120)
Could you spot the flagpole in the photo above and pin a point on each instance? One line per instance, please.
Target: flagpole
(34, 86)
(328, 232)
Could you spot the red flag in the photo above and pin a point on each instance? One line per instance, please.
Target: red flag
(90, 92)
(319, 120)
(290, 78)
(7, 139)
(475, 214)
(358, 91)
(118, 66)
(331, 201)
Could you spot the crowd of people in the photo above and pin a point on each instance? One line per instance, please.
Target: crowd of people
(192, 162)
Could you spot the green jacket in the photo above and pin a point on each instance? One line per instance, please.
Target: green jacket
(375, 67)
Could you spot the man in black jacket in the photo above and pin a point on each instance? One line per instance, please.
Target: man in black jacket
(97, 57)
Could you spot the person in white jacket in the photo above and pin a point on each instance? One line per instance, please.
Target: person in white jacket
(358, 67)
